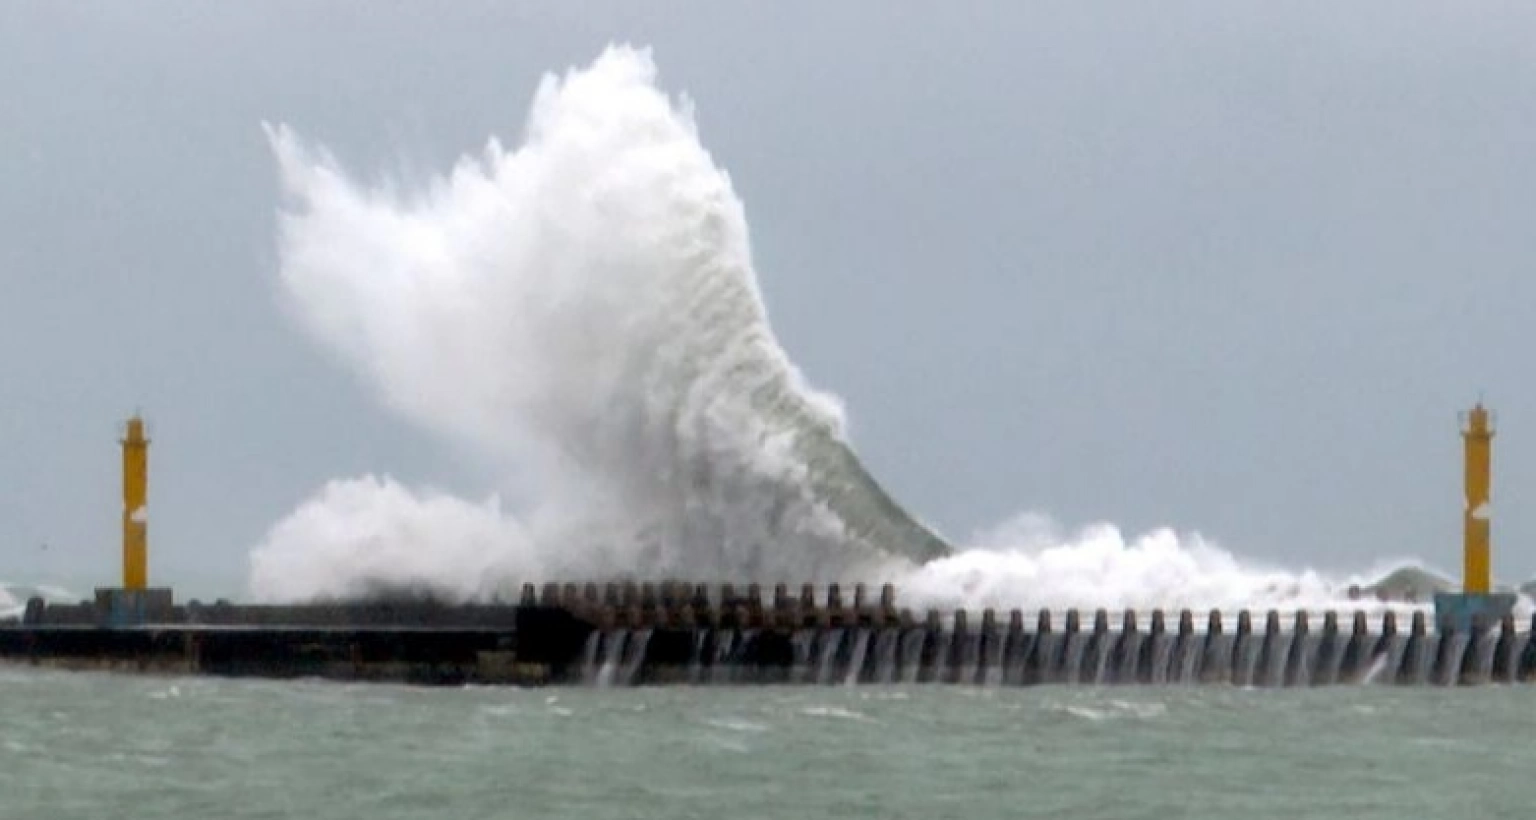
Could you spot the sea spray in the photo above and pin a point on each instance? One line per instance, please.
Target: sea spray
(583, 310)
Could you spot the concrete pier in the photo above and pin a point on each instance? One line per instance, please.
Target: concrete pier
(671, 632)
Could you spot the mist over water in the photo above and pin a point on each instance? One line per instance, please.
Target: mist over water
(582, 311)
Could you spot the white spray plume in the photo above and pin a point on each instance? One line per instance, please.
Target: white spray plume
(367, 535)
(583, 311)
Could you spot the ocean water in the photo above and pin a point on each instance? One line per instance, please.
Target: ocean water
(86, 745)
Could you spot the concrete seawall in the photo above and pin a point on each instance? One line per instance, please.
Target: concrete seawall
(676, 633)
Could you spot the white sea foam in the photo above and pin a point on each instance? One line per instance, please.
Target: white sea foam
(1031, 562)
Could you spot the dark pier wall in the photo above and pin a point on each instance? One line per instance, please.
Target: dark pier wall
(667, 633)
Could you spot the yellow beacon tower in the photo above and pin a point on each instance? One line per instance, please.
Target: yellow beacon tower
(135, 603)
(1476, 601)
(135, 506)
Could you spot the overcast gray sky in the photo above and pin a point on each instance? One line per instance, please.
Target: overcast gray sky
(1228, 267)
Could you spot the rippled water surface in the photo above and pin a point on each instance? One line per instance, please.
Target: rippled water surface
(96, 746)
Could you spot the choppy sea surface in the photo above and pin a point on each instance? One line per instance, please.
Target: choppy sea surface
(86, 745)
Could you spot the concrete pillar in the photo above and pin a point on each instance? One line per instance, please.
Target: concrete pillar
(834, 597)
(930, 666)
(887, 596)
(611, 596)
(781, 596)
(859, 592)
(1526, 665)
(1296, 662)
(530, 596)
(808, 597)
(1325, 670)
(550, 595)
(1504, 650)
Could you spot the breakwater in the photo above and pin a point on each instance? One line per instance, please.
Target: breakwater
(677, 633)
